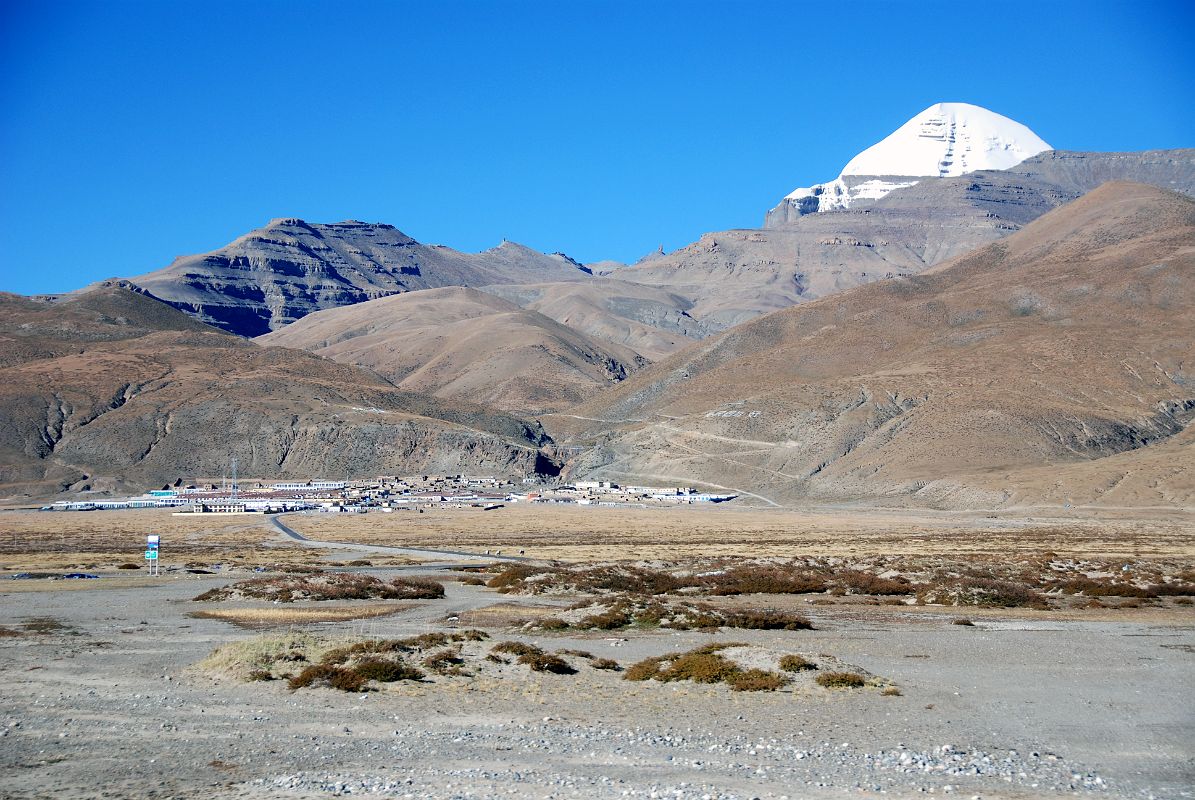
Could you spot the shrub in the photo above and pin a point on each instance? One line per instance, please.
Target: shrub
(795, 663)
(346, 680)
(1183, 601)
(330, 586)
(651, 615)
(360, 562)
(767, 620)
(575, 653)
(626, 579)
(989, 592)
(1100, 588)
(260, 675)
(891, 691)
(841, 680)
(761, 580)
(699, 619)
(756, 680)
(964, 622)
(471, 581)
(424, 641)
(445, 662)
(616, 617)
(417, 589)
(605, 663)
(867, 583)
(552, 624)
(8, 632)
(1172, 589)
(128, 565)
(470, 635)
(516, 648)
(545, 662)
(717, 647)
(699, 668)
(644, 670)
(513, 577)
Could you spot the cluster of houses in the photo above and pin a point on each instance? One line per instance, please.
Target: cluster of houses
(388, 493)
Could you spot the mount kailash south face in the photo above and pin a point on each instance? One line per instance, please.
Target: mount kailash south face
(945, 140)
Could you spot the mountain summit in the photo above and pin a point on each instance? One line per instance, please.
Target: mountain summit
(943, 141)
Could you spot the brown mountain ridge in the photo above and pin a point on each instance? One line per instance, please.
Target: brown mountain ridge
(110, 388)
(1065, 348)
(459, 343)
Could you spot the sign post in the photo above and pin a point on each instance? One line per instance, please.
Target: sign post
(152, 541)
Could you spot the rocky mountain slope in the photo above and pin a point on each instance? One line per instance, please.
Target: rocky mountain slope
(652, 322)
(109, 388)
(1054, 365)
(290, 268)
(458, 343)
(734, 276)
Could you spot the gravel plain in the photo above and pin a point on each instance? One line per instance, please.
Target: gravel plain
(1020, 705)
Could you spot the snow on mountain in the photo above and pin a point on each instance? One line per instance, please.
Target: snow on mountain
(945, 140)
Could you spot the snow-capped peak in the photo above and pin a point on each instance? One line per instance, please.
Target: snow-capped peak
(949, 139)
(945, 140)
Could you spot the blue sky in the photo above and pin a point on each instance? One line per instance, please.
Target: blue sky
(132, 132)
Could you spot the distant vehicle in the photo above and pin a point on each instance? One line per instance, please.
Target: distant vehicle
(74, 576)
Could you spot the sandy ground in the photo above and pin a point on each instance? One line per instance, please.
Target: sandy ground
(582, 533)
(1032, 703)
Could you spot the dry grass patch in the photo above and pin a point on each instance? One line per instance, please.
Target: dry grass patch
(841, 680)
(626, 611)
(705, 665)
(796, 663)
(267, 657)
(330, 586)
(756, 680)
(276, 617)
(352, 666)
(546, 662)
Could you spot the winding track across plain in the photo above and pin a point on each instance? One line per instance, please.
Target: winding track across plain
(418, 552)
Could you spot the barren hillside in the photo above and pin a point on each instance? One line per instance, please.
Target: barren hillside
(458, 343)
(110, 387)
(1053, 365)
(652, 322)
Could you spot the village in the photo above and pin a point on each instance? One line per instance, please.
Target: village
(389, 493)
